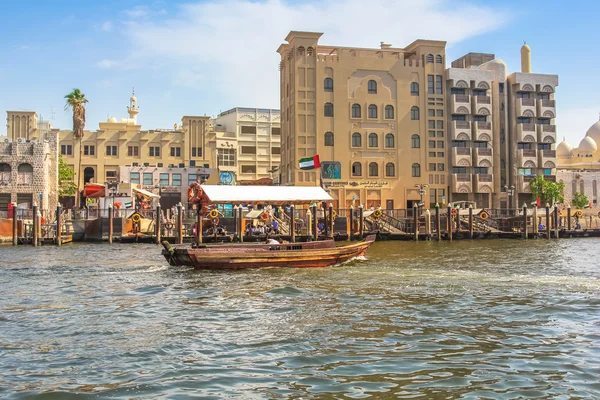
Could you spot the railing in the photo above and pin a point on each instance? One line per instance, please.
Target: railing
(485, 152)
(529, 152)
(550, 178)
(463, 151)
(463, 177)
(462, 124)
(549, 153)
(528, 127)
(484, 125)
(548, 103)
(461, 98)
(528, 102)
(483, 99)
(485, 177)
(549, 128)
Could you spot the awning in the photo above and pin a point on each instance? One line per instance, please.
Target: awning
(254, 214)
(146, 193)
(222, 194)
(94, 190)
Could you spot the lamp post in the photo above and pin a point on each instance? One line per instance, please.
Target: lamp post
(510, 191)
(421, 187)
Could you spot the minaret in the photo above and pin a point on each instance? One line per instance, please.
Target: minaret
(133, 108)
(525, 58)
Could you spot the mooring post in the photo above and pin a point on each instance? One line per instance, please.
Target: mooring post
(157, 224)
(471, 221)
(534, 221)
(556, 227)
(351, 230)
(179, 223)
(235, 221)
(416, 221)
(58, 226)
(241, 222)
(309, 226)
(110, 223)
(428, 224)
(361, 222)
(449, 222)
(36, 221)
(524, 220)
(569, 218)
(547, 221)
(457, 220)
(14, 226)
(292, 224)
(199, 222)
(331, 220)
(438, 225)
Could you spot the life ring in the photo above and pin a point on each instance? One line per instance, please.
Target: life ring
(194, 192)
(214, 213)
(169, 225)
(333, 214)
(136, 218)
(377, 214)
(484, 215)
(117, 205)
(264, 216)
(454, 212)
(578, 213)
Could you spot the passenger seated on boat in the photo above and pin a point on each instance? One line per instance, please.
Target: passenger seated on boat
(275, 226)
(541, 227)
(320, 227)
(271, 241)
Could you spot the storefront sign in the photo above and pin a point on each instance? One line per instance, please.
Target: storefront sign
(357, 184)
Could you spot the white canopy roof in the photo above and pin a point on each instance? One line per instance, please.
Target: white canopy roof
(224, 194)
(145, 193)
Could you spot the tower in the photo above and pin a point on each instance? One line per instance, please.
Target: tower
(133, 108)
(525, 58)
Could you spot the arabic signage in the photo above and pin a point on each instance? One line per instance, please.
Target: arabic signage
(357, 184)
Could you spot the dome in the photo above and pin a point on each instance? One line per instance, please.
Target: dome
(587, 145)
(112, 120)
(564, 149)
(594, 132)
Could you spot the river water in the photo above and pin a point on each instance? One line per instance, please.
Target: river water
(483, 319)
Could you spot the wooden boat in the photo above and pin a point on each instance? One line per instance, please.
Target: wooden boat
(287, 255)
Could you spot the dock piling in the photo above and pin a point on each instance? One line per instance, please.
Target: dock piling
(331, 220)
(110, 223)
(315, 229)
(470, 221)
(179, 223)
(15, 231)
(534, 221)
(157, 225)
(59, 225)
(292, 224)
(416, 221)
(241, 222)
(449, 223)
(524, 221)
(569, 218)
(556, 227)
(361, 222)
(351, 230)
(36, 222)
(547, 221)
(438, 225)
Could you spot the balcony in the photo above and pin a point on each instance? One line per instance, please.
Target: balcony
(460, 130)
(461, 183)
(526, 133)
(484, 183)
(547, 158)
(547, 133)
(460, 104)
(479, 102)
(527, 158)
(523, 183)
(461, 156)
(526, 108)
(482, 131)
(550, 178)
(546, 108)
(482, 157)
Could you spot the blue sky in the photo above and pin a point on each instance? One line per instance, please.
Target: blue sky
(203, 57)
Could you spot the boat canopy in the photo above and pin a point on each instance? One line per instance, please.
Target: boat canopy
(145, 193)
(222, 194)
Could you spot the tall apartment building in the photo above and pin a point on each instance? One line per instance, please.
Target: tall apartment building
(367, 114)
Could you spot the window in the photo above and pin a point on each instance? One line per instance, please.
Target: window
(389, 140)
(133, 151)
(111, 150)
(480, 145)
(134, 177)
(192, 178)
(543, 121)
(373, 140)
(175, 151)
(543, 96)
(439, 88)
(430, 84)
(89, 150)
(331, 170)
(440, 113)
(439, 59)
(431, 124)
(372, 111)
(356, 169)
(524, 146)
(431, 154)
(226, 157)
(390, 169)
(440, 154)
(440, 124)
(247, 150)
(431, 144)
(389, 112)
(147, 178)
(414, 113)
(328, 109)
(356, 139)
(416, 170)
(328, 138)
(544, 146)
(275, 150)
(275, 131)
(164, 179)
(66, 149)
(524, 171)
(459, 143)
(196, 151)
(111, 175)
(415, 141)
(414, 89)
(522, 95)
(328, 85)
(459, 170)
(431, 113)
(440, 144)
(440, 167)
(440, 134)
(523, 120)
(479, 92)
(373, 169)
(176, 179)
(432, 166)
(547, 171)
(479, 118)
(480, 170)
(355, 110)
(501, 87)
(429, 58)
(248, 169)
(457, 91)
(154, 151)
(431, 134)
(251, 130)
(459, 117)
(372, 86)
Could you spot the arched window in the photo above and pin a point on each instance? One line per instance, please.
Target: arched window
(389, 140)
(582, 187)
(328, 138)
(310, 51)
(594, 189)
(355, 110)
(328, 110)
(328, 85)
(415, 141)
(356, 169)
(373, 140)
(25, 174)
(372, 86)
(414, 89)
(429, 58)
(389, 112)
(300, 51)
(373, 169)
(439, 59)
(5, 172)
(390, 169)
(356, 139)
(573, 187)
(414, 113)
(416, 170)
(372, 111)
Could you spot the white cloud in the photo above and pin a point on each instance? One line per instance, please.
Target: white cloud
(108, 64)
(573, 123)
(230, 46)
(106, 26)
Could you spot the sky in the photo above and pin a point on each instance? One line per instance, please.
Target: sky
(204, 57)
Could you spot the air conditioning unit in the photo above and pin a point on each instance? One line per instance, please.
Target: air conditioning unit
(20, 140)
(134, 164)
(159, 165)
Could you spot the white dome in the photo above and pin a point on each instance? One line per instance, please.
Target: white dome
(564, 149)
(112, 120)
(587, 146)
(594, 132)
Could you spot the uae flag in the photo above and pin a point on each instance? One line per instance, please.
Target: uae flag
(310, 162)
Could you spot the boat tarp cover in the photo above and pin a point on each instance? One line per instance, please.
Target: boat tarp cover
(145, 193)
(222, 194)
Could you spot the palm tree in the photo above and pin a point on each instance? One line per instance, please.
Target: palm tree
(76, 101)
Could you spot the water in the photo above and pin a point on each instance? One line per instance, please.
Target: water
(484, 319)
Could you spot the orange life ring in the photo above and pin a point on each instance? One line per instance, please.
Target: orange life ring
(117, 205)
(454, 212)
(264, 216)
(194, 192)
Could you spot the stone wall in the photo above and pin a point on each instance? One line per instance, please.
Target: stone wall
(590, 180)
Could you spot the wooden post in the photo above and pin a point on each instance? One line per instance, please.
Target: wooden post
(569, 218)
(556, 227)
(292, 224)
(241, 223)
(235, 221)
(361, 222)
(534, 221)
(428, 224)
(199, 222)
(547, 221)
(524, 221)
(457, 220)
(416, 221)
(14, 226)
(325, 224)
(449, 223)
(331, 220)
(179, 224)
(110, 223)
(309, 226)
(158, 223)
(351, 230)
(471, 221)
(315, 223)
(438, 225)
(36, 221)
(58, 226)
